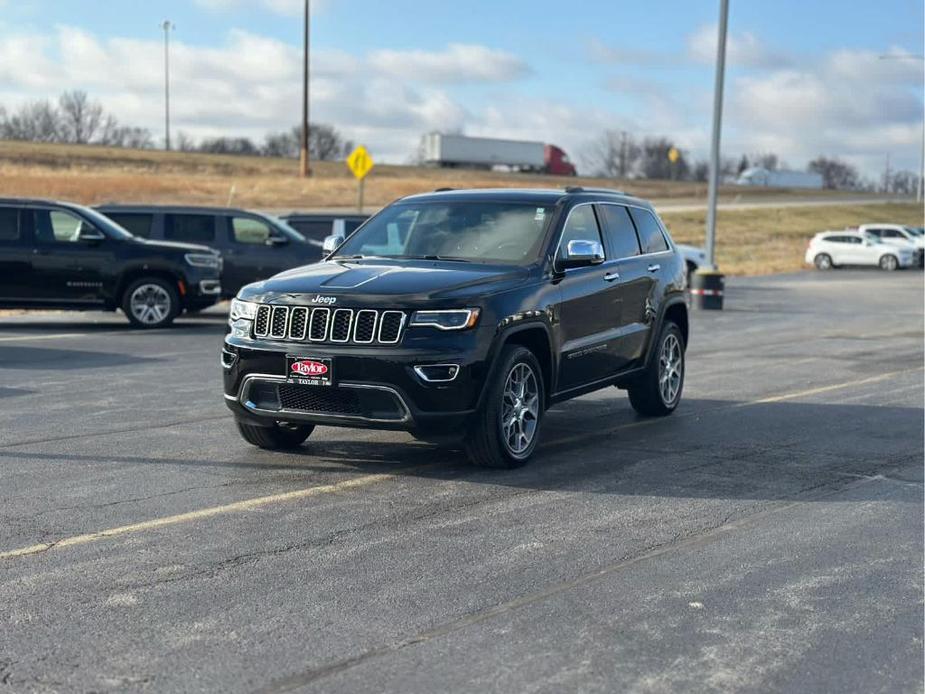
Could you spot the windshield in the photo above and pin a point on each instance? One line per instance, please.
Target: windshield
(483, 232)
(283, 227)
(915, 231)
(105, 224)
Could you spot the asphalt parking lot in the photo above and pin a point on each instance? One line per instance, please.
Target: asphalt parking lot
(768, 536)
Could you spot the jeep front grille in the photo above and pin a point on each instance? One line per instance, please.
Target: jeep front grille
(343, 325)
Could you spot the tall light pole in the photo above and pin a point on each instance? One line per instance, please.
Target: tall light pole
(919, 189)
(304, 169)
(717, 127)
(167, 26)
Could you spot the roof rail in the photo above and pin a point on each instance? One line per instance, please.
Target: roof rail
(442, 190)
(583, 189)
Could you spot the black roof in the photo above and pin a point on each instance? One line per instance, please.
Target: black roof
(37, 201)
(145, 207)
(540, 196)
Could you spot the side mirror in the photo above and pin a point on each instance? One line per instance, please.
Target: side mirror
(579, 253)
(90, 235)
(331, 243)
(277, 240)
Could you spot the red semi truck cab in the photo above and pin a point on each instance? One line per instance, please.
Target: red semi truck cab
(557, 162)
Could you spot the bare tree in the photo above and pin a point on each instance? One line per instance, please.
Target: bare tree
(836, 174)
(766, 160)
(37, 121)
(904, 182)
(324, 143)
(655, 161)
(615, 154)
(184, 143)
(80, 117)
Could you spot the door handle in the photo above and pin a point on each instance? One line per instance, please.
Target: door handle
(611, 276)
(39, 251)
(655, 268)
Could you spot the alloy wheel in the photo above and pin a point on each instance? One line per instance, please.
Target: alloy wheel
(520, 408)
(150, 304)
(670, 369)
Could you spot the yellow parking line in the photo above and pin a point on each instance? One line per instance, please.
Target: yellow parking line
(251, 504)
(245, 505)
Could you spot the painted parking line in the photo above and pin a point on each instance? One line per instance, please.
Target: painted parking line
(367, 480)
(56, 336)
(237, 506)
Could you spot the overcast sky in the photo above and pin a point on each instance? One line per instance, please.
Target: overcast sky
(804, 76)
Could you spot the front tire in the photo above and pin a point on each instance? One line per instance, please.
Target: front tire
(657, 392)
(889, 262)
(151, 302)
(276, 437)
(823, 261)
(507, 428)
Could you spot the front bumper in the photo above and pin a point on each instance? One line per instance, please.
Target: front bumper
(374, 387)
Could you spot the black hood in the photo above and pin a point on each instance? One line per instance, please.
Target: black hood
(388, 282)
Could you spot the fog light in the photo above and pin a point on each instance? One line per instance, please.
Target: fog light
(437, 373)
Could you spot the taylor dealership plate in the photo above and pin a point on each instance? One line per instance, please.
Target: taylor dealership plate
(309, 371)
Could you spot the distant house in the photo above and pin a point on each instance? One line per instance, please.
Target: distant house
(758, 176)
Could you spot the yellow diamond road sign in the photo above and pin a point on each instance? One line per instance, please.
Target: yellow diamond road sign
(359, 162)
(673, 155)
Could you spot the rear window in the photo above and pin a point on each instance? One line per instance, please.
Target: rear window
(620, 231)
(317, 230)
(135, 223)
(192, 228)
(651, 237)
(9, 224)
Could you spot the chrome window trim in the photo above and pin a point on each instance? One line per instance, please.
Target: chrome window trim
(356, 324)
(248, 380)
(292, 312)
(327, 324)
(401, 327)
(349, 325)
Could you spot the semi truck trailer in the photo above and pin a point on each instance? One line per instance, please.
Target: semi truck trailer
(441, 149)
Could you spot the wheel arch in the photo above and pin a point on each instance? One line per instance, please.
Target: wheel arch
(535, 336)
(131, 274)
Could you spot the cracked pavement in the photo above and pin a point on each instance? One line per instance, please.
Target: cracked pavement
(768, 536)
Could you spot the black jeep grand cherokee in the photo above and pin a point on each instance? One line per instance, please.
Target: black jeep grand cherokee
(464, 315)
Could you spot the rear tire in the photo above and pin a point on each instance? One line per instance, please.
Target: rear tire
(823, 261)
(151, 302)
(507, 427)
(889, 262)
(657, 392)
(276, 437)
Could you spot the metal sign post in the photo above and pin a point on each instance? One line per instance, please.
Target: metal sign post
(717, 126)
(360, 164)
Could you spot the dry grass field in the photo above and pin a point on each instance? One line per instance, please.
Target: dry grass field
(756, 241)
(770, 240)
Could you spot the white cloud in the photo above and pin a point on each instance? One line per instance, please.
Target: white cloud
(742, 50)
(457, 63)
(289, 8)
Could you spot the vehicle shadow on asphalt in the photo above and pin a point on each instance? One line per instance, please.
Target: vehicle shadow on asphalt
(708, 449)
(57, 360)
(197, 324)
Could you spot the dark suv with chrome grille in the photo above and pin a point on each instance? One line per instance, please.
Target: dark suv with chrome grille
(461, 316)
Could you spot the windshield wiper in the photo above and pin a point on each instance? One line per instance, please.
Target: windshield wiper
(434, 257)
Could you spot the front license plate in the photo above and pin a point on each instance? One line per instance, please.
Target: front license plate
(309, 371)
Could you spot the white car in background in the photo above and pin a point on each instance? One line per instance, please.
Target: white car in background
(899, 235)
(693, 258)
(831, 249)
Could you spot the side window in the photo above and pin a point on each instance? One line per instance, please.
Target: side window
(58, 226)
(581, 225)
(316, 230)
(879, 233)
(134, 223)
(249, 230)
(193, 228)
(651, 237)
(892, 234)
(855, 239)
(620, 231)
(9, 225)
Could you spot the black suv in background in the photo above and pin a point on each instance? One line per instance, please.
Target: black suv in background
(316, 227)
(61, 255)
(254, 246)
(462, 316)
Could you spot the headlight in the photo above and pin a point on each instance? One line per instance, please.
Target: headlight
(203, 260)
(453, 319)
(242, 309)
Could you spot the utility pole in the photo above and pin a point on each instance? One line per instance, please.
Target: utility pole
(167, 26)
(886, 175)
(622, 154)
(920, 189)
(717, 127)
(304, 169)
